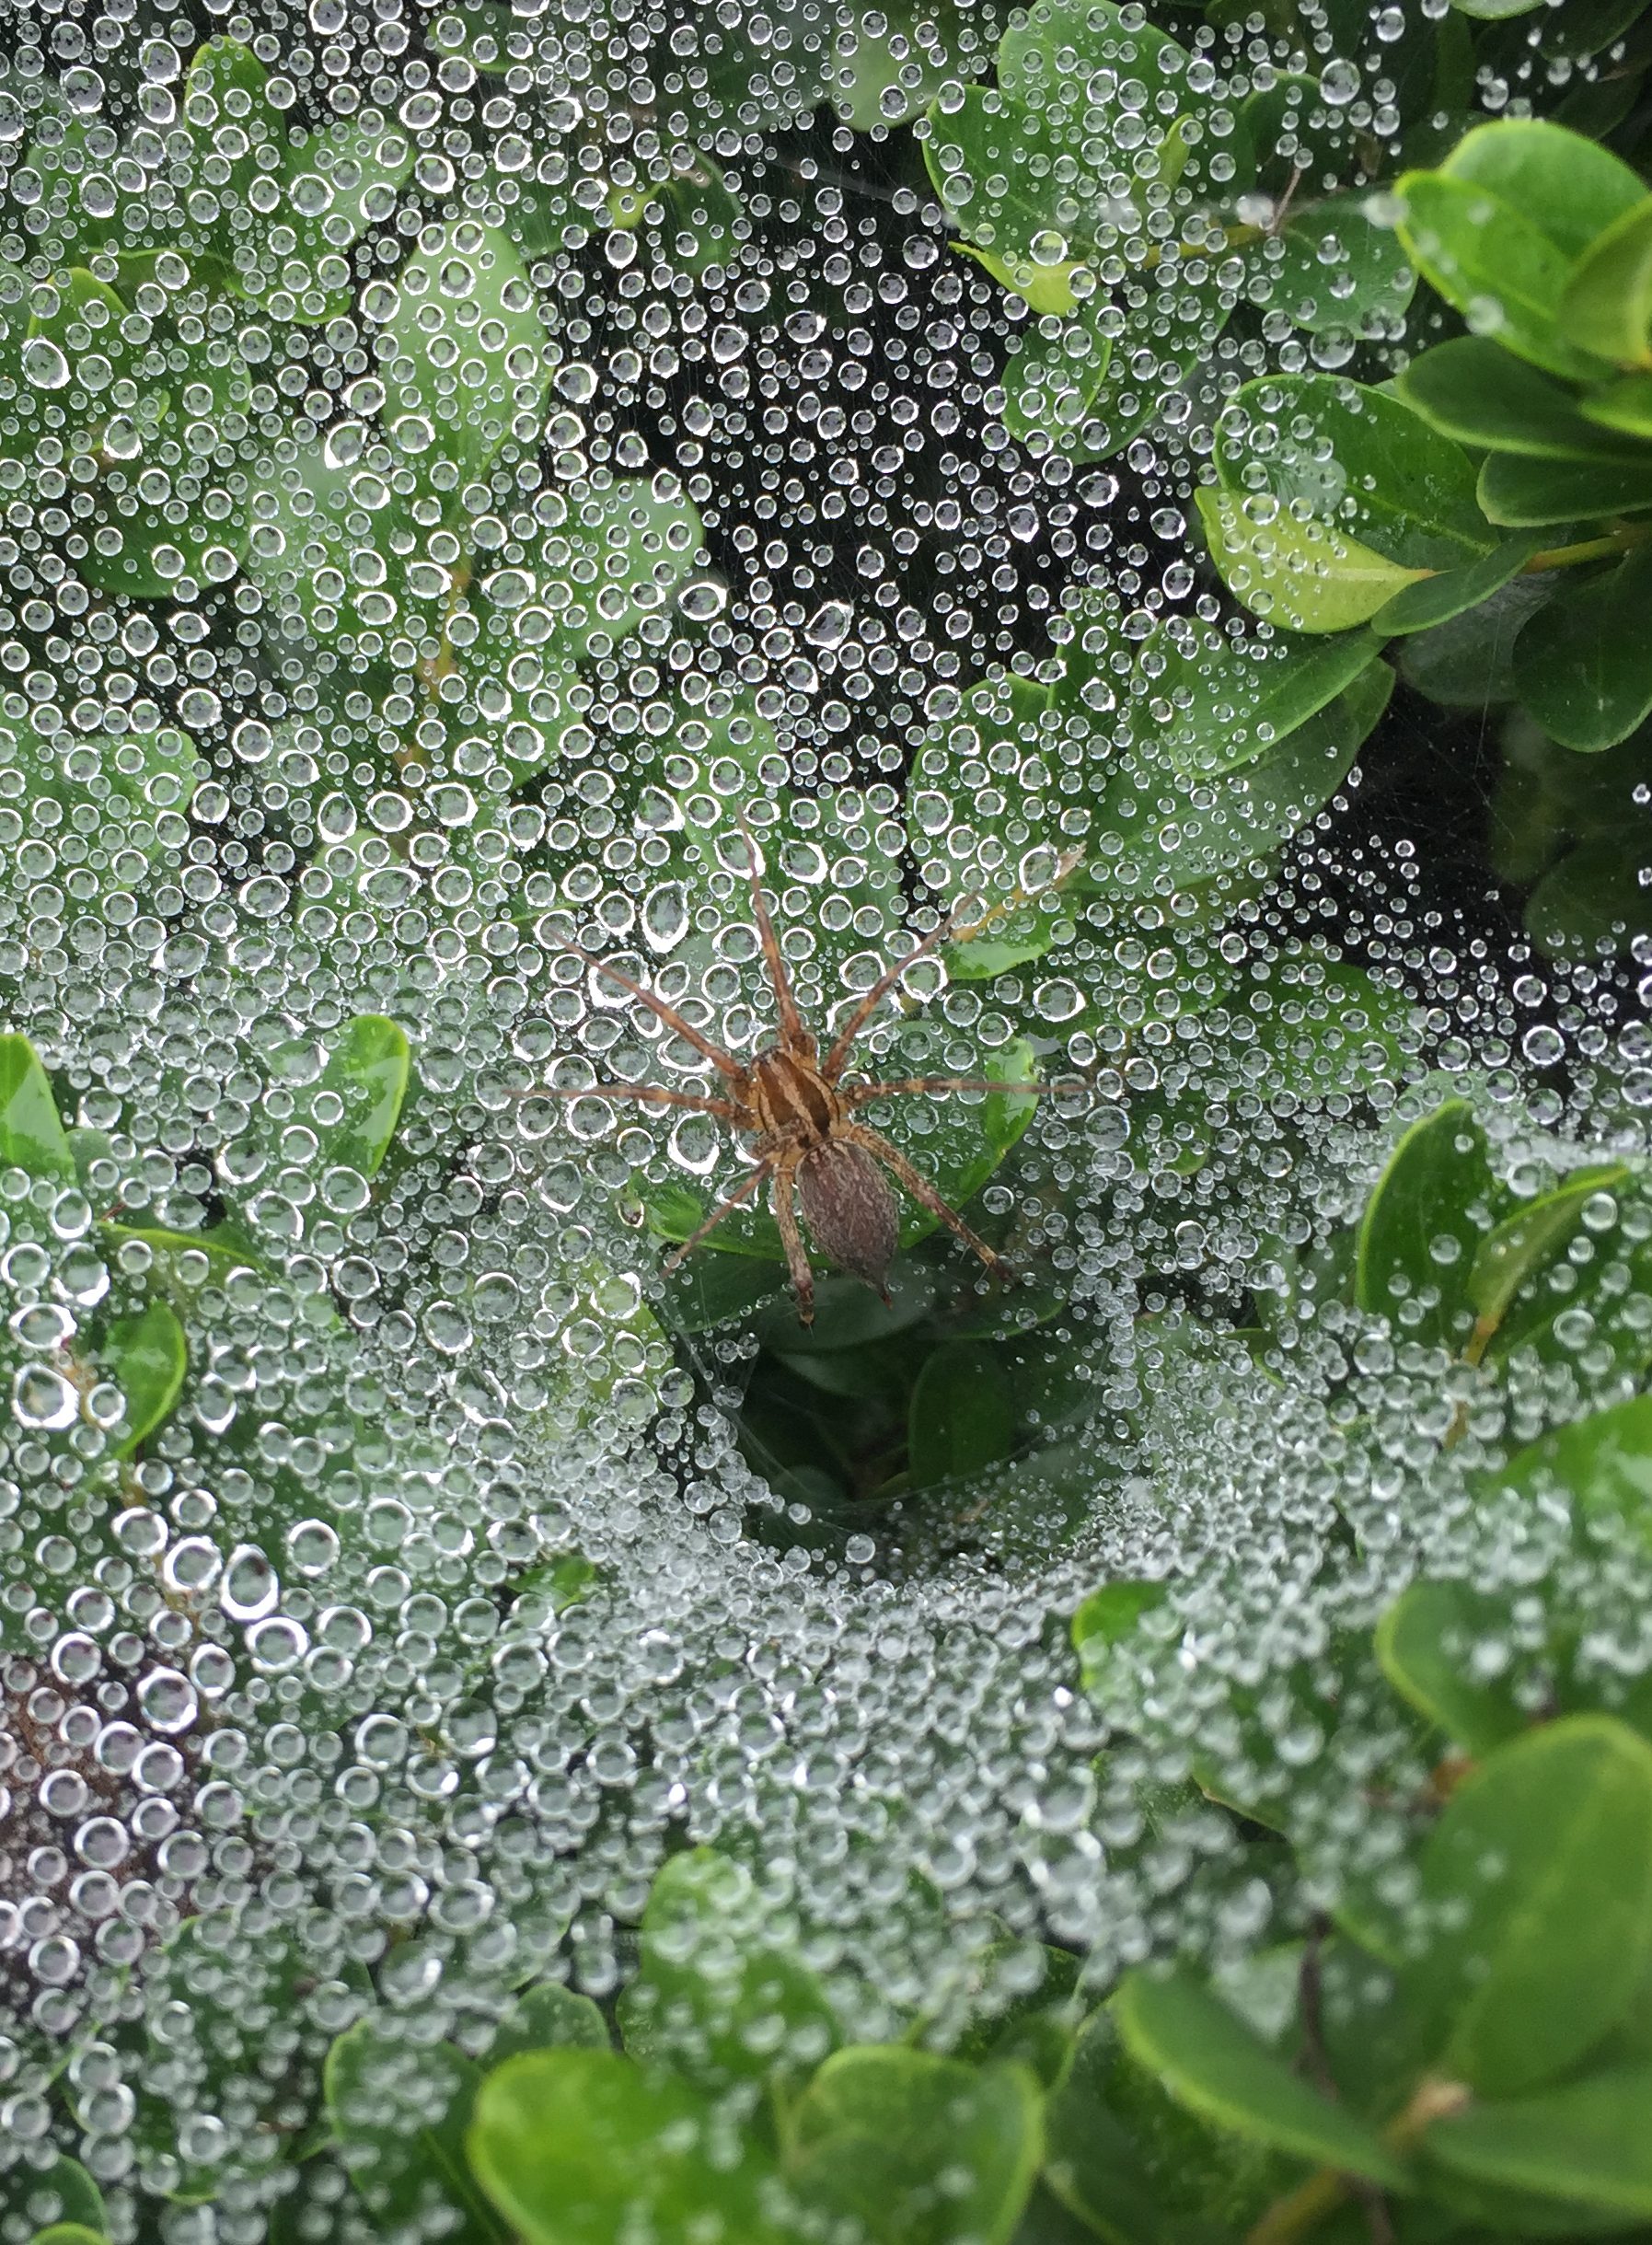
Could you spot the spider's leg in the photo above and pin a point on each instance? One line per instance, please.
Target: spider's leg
(743, 1191)
(858, 1094)
(667, 1013)
(724, 1108)
(785, 1217)
(921, 1190)
(832, 1066)
(792, 1033)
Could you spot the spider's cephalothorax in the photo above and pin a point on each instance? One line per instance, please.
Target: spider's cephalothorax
(804, 1123)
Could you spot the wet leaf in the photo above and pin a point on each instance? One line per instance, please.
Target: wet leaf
(879, 2127)
(1583, 664)
(148, 1357)
(368, 1071)
(1537, 1881)
(1423, 1226)
(31, 1136)
(399, 2114)
(1211, 2061)
(582, 2146)
(1427, 1643)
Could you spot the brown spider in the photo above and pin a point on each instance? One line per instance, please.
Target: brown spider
(801, 1115)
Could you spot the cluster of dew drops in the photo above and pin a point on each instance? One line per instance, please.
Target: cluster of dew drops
(308, 1669)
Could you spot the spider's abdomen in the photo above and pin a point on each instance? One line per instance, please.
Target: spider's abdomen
(789, 1096)
(849, 1207)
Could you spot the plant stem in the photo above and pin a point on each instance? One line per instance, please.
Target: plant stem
(1301, 2210)
(1601, 549)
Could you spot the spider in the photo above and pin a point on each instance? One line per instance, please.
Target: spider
(803, 1119)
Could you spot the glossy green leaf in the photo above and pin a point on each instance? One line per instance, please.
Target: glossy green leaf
(1140, 2168)
(549, 2016)
(1603, 1463)
(399, 2110)
(1301, 575)
(1043, 288)
(991, 160)
(60, 2196)
(31, 1136)
(1526, 1243)
(1473, 391)
(1107, 1618)
(1584, 663)
(1536, 1886)
(1522, 492)
(1498, 227)
(880, 2126)
(468, 353)
(1593, 903)
(1588, 2143)
(1423, 1226)
(69, 2233)
(367, 1073)
(619, 556)
(1356, 463)
(1426, 1643)
(583, 2148)
(963, 1415)
(1227, 707)
(147, 1357)
(1625, 405)
(722, 1995)
(1340, 270)
(1432, 601)
(1608, 307)
(1211, 2061)
(1468, 662)
(1054, 383)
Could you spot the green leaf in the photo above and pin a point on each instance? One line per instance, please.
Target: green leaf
(1436, 600)
(1043, 288)
(992, 162)
(917, 2149)
(1499, 226)
(1341, 270)
(467, 354)
(1473, 391)
(1522, 492)
(1423, 1226)
(582, 2147)
(1117, 93)
(1588, 2143)
(1054, 383)
(1625, 405)
(1140, 2168)
(1528, 1242)
(31, 1136)
(62, 2196)
(1608, 307)
(550, 2017)
(147, 1357)
(961, 1419)
(367, 1073)
(1468, 662)
(399, 2112)
(1106, 1618)
(722, 1995)
(69, 2233)
(1212, 2062)
(337, 184)
(1584, 663)
(1425, 1645)
(1300, 576)
(1603, 1462)
(1594, 902)
(619, 557)
(1355, 462)
(1536, 1883)
(1226, 707)
(702, 218)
